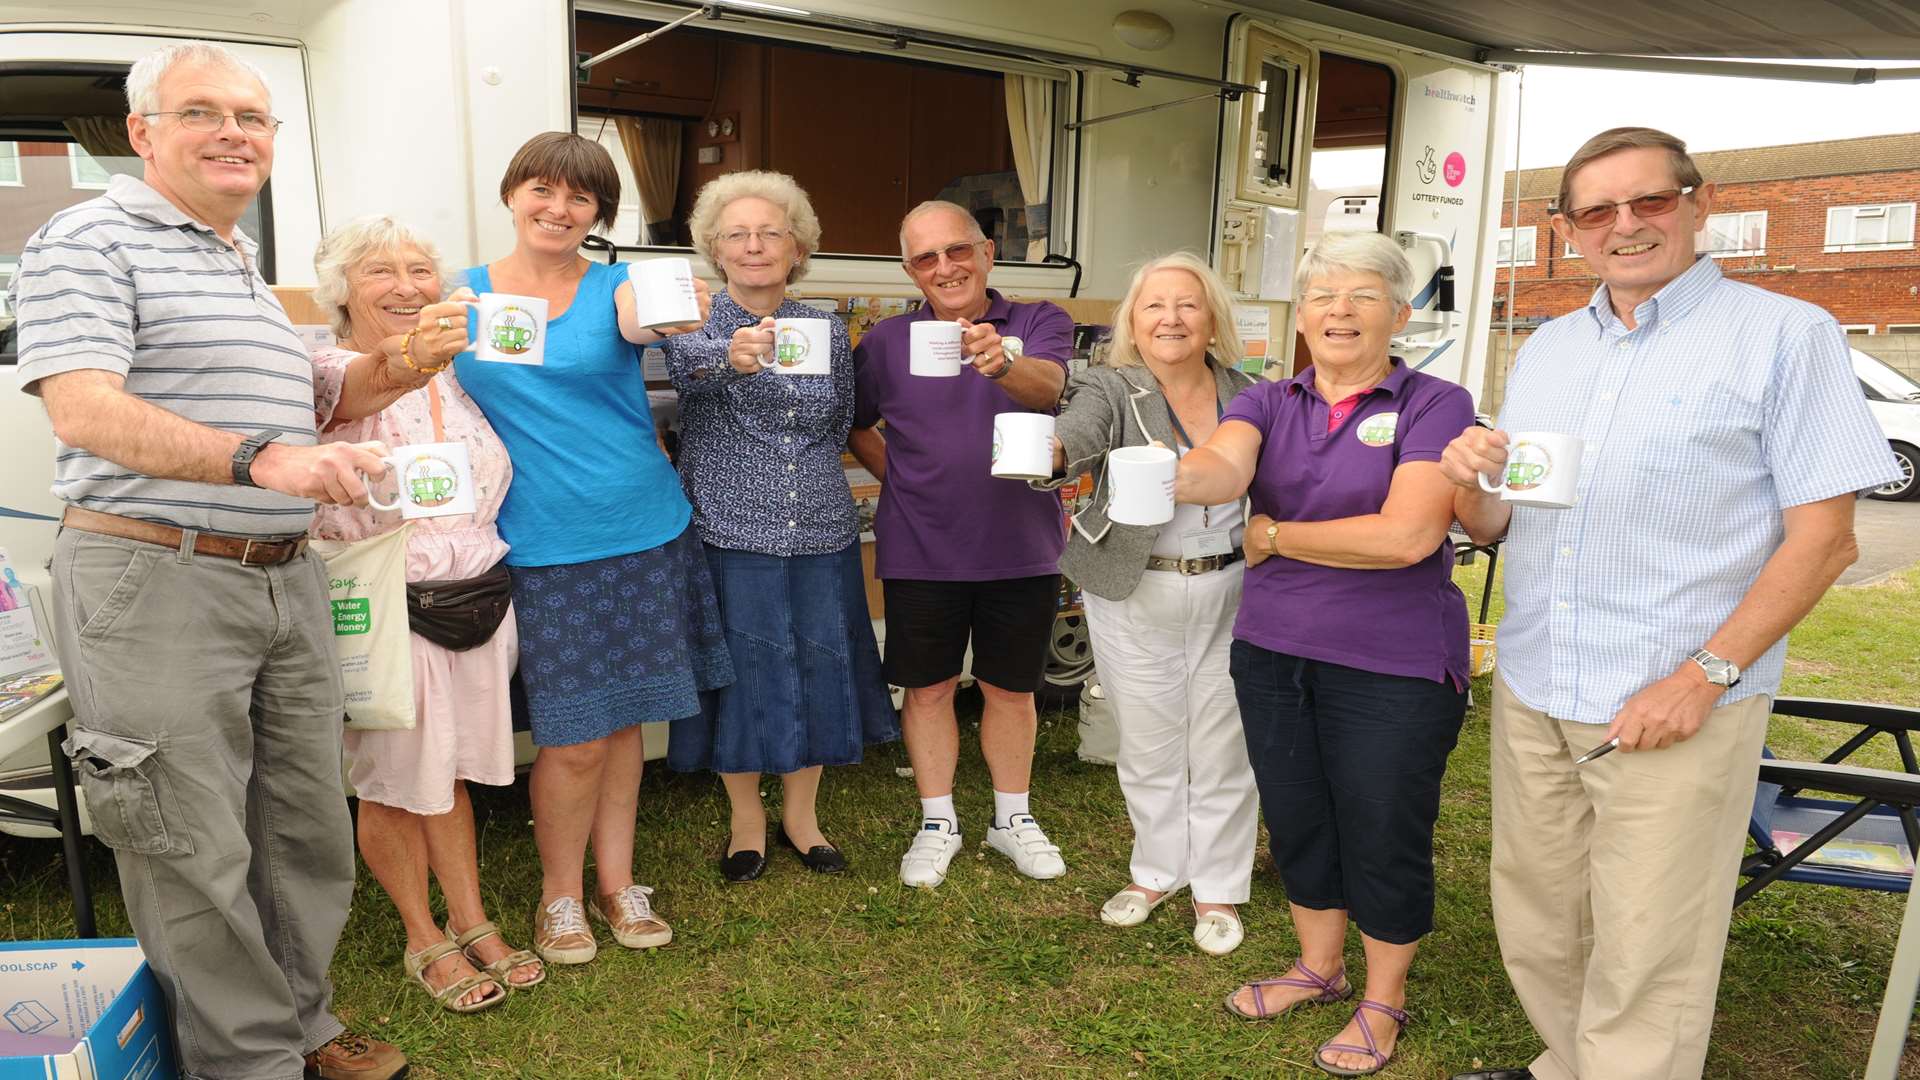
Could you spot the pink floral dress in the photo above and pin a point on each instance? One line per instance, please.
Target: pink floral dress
(463, 722)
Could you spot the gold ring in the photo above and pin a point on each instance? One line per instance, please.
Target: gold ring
(444, 322)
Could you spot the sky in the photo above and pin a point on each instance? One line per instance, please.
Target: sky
(1560, 107)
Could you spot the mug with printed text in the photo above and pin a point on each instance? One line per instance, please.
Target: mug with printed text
(936, 349)
(432, 480)
(663, 292)
(1142, 479)
(1542, 470)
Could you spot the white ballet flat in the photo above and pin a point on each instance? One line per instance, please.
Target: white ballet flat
(1129, 908)
(1218, 933)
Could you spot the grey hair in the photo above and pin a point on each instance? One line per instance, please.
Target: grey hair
(1225, 349)
(1359, 253)
(143, 82)
(939, 206)
(777, 188)
(352, 244)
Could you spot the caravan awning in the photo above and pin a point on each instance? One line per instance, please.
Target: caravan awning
(1656, 34)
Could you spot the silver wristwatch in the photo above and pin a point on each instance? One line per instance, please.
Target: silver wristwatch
(1719, 672)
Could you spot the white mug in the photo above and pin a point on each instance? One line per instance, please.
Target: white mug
(433, 480)
(801, 347)
(663, 292)
(1542, 470)
(1142, 480)
(510, 329)
(936, 349)
(1022, 445)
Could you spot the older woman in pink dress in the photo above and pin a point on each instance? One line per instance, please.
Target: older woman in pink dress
(380, 284)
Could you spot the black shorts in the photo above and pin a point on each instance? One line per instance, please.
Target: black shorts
(929, 623)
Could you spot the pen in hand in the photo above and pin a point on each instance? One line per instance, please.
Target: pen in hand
(1602, 750)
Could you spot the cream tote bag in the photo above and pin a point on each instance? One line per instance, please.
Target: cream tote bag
(367, 582)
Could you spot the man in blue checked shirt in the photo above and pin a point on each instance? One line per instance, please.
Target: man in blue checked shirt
(1725, 441)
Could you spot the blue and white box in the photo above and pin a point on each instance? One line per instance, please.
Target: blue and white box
(82, 1010)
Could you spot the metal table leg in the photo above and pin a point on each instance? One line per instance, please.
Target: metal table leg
(69, 810)
(1896, 1009)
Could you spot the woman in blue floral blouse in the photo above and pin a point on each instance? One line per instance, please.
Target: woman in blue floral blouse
(760, 461)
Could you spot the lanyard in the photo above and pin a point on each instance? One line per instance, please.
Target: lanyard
(1219, 410)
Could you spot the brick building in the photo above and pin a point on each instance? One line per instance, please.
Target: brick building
(1829, 222)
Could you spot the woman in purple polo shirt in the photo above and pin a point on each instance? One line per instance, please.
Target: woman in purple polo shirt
(1350, 650)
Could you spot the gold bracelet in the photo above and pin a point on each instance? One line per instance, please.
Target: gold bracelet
(406, 348)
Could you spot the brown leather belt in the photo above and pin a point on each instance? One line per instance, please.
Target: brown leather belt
(249, 552)
(1201, 565)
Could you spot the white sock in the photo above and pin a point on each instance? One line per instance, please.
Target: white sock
(1006, 804)
(939, 809)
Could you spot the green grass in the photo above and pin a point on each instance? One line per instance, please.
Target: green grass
(994, 975)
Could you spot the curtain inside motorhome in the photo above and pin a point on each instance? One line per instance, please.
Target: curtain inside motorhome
(1030, 126)
(653, 150)
(104, 138)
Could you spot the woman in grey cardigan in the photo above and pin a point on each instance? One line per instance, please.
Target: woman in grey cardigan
(1161, 599)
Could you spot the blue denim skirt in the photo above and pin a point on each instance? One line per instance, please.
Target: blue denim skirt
(807, 688)
(625, 640)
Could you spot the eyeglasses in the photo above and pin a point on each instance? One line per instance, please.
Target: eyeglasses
(955, 253)
(1361, 299)
(767, 237)
(1651, 205)
(253, 123)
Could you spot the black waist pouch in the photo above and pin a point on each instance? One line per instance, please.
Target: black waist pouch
(462, 614)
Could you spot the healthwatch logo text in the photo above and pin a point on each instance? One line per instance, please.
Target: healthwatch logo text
(1448, 95)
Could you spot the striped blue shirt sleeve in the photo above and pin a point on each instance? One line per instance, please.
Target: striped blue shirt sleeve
(1819, 437)
(75, 305)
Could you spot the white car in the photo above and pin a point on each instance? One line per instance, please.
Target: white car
(1895, 401)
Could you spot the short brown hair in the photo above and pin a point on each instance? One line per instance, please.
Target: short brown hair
(1685, 172)
(565, 158)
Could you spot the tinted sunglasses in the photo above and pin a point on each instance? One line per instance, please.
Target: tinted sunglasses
(1651, 205)
(955, 253)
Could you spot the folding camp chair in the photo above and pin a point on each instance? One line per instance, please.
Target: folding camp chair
(1864, 840)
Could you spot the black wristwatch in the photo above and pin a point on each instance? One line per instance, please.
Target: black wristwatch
(247, 451)
(1006, 365)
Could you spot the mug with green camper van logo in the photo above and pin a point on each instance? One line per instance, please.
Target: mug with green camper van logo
(1543, 470)
(430, 480)
(512, 329)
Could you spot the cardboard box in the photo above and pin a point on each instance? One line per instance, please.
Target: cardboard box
(82, 1010)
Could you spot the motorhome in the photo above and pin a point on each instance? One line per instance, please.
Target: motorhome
(1086, 136)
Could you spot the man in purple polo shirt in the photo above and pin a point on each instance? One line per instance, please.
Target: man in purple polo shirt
(963, 554)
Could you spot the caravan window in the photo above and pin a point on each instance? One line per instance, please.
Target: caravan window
(867, 135)
(65, 132)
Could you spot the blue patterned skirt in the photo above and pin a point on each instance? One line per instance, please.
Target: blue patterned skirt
(809, 690)
(625, 640)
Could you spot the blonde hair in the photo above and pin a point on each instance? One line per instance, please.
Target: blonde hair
(777, 188)
(1225, 349)
(352, 244)
(1359, 253)
(143, 81)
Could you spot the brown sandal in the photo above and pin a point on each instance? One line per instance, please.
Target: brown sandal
(502, 968)
(448, 997)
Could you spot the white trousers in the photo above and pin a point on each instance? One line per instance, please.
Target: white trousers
(1162, 655)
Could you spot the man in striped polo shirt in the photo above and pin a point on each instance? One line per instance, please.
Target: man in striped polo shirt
(1725, 440)
(193, 625)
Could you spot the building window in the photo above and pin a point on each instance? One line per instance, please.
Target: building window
(9, 164)
(1857, 329)
(8, 268)
(1731, 235)
(1886, 227)
(1516, 247)
(1903, 328)
(1572, 253)
(88, 174)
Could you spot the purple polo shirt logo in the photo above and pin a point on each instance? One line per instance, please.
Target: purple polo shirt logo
(1378, 429)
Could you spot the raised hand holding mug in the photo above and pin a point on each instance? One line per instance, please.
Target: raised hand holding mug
(936, 350)
(434, 480)
(664, 294)
(1022, 445)
(1542, 470)
(801, 347)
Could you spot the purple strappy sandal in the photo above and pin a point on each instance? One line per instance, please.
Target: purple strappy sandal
(1372, 1049)
(1331, 990)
